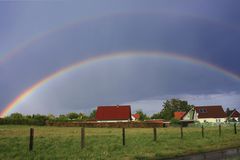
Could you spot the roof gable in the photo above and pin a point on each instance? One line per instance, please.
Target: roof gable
(210, 112)
(235, 114)
(113, 112)
(136, 116)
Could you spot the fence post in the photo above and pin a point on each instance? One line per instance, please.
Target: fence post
(202, 131)
(235, 128)
(220, 130)
(31, 139)
(123, 136)
(154, 134)
(82, 137)
(181, 128)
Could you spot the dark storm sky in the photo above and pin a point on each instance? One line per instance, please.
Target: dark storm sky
(43, 37)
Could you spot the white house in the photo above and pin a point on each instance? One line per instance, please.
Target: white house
(234, 115)
(202, 114)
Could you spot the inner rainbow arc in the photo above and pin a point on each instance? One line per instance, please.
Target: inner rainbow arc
(63, 71)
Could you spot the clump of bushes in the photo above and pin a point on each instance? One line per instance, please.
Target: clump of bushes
(18, 118)
(174, 122)
(37, 119)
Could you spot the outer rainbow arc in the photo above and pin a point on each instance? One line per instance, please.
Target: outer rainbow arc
(91, 60)
(16, 50)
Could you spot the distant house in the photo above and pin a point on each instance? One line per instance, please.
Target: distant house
(113, 113)
(179, 115)
(234, 115)
(206, 114)
(135, 116)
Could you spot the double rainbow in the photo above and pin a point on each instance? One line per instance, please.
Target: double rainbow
(65, 70)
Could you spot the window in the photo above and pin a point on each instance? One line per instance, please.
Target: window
(202, 110)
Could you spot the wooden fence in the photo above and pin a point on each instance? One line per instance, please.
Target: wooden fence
(122, 125)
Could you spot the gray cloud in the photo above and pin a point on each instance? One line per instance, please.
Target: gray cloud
(127, 79)
(194, 32)
(152, 105)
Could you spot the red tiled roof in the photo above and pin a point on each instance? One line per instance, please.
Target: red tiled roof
(136, 116)
(235, 114)
(179, 115)
(210, 112)
(113, 112)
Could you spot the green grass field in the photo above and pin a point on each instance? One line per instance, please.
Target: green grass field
(106, 143)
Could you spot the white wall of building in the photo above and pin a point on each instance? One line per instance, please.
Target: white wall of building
(211, 120)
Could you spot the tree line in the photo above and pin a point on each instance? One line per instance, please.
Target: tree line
(38, 119)
(167, 113)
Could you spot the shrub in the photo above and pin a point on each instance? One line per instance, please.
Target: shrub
(174, 122)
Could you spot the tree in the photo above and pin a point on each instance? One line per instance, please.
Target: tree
(174, 121)
(39, 119)
(28, 116)
(16, 116)
(143, 116)
(156, 116)
(174, 105)
(93, 114)
(228, 111)
(72, 115)
(62, 117)
(51, 116)
(82, 116)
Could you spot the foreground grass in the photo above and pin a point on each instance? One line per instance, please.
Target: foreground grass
(106, 143)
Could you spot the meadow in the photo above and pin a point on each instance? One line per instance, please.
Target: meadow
(106, 143)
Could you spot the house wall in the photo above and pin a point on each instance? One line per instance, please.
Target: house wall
(211, 120)
(187, 116)
(191, 115)
(133, 118)
(235, 118)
